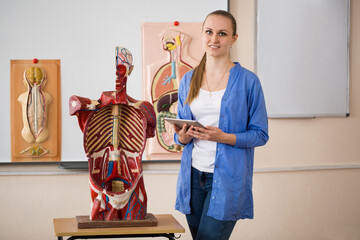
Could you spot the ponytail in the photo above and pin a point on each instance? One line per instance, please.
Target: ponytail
(196, 80)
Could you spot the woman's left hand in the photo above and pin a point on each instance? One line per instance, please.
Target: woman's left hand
(214, 134)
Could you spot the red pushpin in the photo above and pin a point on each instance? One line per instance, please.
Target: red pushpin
(35, 60)
(176, 23)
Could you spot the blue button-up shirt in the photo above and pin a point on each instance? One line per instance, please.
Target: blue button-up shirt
(242, 113)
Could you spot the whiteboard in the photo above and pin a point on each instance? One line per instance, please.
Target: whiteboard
(302, 57)
(83, 34)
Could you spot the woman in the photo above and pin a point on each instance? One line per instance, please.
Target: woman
(214, 187)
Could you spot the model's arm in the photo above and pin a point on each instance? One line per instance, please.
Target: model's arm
(81, 107)
(77, 103)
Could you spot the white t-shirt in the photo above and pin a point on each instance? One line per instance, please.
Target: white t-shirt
(206, 110)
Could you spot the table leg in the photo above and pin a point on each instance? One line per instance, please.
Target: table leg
(171, 236)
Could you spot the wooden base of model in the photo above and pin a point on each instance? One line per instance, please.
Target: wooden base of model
(85, 222)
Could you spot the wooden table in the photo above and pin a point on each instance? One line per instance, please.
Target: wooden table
(167, 227)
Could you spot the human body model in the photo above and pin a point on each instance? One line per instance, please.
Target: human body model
(115, 130)
(214, 186)
(34, 104)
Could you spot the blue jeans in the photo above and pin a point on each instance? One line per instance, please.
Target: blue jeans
(203, 227)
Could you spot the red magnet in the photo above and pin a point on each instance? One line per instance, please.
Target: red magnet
(35, 60)
(176, 23)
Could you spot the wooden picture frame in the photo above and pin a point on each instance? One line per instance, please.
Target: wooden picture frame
(35, 111)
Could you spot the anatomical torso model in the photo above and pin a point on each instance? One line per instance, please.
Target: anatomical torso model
(115, 130)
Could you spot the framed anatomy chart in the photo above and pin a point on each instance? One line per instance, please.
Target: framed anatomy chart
(35, 110)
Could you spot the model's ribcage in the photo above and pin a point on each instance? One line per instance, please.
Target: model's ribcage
(117, 125)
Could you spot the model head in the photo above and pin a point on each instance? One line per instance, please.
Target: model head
(124, 66)
(124, 58)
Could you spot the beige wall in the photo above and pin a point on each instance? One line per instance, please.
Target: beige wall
(291, 200)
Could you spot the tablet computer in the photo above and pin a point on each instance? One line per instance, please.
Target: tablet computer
(181, 122)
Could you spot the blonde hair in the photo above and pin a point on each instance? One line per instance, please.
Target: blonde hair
(199, 70)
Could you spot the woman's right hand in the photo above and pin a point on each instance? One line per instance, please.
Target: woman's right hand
(184, 136)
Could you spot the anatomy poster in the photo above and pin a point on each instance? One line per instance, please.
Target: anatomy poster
(169, 50)
(35, 110)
